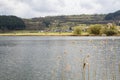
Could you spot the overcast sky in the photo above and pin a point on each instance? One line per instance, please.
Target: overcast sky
(37, 8)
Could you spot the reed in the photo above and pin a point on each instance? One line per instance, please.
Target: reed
(85, 66)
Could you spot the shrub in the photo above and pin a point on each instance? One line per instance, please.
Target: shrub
(77, 30)
(110, 32)
(103, 30)
(95, 29)
(119, 32)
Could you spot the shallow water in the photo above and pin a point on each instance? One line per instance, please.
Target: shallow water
(59, 58)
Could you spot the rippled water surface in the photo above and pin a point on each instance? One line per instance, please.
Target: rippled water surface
(59, 58)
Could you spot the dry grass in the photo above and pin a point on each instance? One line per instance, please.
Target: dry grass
(35, 34)
(40, 34)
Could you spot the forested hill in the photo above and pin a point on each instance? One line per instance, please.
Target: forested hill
(11, 23)
(113, 16)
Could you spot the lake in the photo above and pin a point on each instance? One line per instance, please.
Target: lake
(59, 58)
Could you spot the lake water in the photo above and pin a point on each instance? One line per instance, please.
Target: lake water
(59, 58)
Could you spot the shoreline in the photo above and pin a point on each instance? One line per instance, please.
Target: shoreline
(36, 33)
(41, 34)
(49, 34)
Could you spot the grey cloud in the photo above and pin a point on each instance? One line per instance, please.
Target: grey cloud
(86, 6)
(108, 5)
(5, 9)
(56, 7)
(43, 6)
(61, 3)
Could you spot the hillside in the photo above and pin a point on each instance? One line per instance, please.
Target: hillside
(113, 16)
(60, 21)
(56, 22)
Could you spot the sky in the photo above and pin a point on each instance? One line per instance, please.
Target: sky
(41, 8)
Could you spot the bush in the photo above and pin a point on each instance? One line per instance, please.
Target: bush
(95, 29)
(118, 32)
(103, 30)
(77, 30)
(110, 32)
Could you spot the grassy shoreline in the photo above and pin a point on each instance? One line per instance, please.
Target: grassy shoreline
(37, 33)
(40, 34)
(47, 34)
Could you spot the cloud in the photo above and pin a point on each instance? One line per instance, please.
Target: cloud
(108, 6)
(37, 8)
